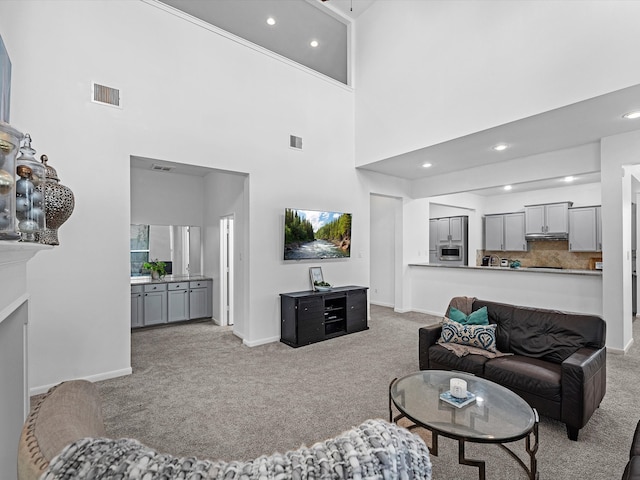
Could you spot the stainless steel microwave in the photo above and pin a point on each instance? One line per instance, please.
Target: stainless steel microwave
(450, 252)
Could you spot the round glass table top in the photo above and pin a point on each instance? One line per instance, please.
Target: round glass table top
(497, 415)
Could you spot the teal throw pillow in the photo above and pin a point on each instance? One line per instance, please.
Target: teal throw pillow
(481, 336)
(479, 317)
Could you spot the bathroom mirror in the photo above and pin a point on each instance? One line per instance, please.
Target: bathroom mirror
(179, 246)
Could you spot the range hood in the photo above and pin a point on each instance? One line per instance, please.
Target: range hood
(547, 236)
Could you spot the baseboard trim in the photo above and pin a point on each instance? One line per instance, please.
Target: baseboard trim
(381, 304)
(427, 312)
(618, 351)
(262, 341)
(92, 378)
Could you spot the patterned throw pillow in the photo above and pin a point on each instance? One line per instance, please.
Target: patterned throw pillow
(481, 336)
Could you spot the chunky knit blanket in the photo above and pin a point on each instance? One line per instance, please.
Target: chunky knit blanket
(376, 450)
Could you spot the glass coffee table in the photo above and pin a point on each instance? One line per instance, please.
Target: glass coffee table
(497, 415)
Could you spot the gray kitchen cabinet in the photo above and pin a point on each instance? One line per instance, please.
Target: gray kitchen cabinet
(505, 232)
(137, 306)
(494, 232)
(178, 301)
(584, 229)
(433, 241)
(514, 239)
(550, 218)
(200, 295)
(450, 229)
(155, 303)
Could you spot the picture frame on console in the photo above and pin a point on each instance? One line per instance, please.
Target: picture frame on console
(315, 274)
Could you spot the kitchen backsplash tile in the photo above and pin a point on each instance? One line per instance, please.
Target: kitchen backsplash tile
(546, 253)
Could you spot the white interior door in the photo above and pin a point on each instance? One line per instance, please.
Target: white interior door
(226, 270)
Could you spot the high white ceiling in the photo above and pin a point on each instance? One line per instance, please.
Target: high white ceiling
(297, 21)
(569, 126)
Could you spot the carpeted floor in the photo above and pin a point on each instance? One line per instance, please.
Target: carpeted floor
(197, 391)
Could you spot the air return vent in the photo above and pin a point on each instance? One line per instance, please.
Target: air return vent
(161, 168)
(295, 142)
(105, 95)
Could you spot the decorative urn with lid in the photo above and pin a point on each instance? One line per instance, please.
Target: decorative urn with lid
(9, 144)
(59, 202)
(29, 199)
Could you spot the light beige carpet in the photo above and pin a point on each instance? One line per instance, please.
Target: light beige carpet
(197, 391)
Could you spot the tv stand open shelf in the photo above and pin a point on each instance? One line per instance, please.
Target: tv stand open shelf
(309, 317)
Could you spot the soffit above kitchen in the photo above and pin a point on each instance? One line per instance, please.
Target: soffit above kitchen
(578, 124)
(293, 26)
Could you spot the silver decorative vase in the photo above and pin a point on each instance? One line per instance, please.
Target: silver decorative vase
(59, 203)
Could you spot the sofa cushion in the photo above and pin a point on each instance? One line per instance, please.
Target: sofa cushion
(500, 314)
(477, 317)
(441, 358)
(540, 333)
(481, 336)
(527, 374)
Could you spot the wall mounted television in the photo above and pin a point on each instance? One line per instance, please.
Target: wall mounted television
(316, 234)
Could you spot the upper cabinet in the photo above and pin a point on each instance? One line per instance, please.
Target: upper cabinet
(548, 220)
(585, 229)
(505, 232)
(450, 229)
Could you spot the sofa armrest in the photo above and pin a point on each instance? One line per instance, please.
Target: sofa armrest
(427, 336)
(632, 469)
(635, 443)
(584, 383)
(67, 412)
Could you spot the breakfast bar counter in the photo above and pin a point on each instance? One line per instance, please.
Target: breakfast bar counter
(562, 271)
(432, 286)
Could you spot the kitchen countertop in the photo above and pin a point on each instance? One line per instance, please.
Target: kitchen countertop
(561, 271)
(168, 279)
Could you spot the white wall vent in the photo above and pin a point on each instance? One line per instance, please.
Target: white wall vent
(295, 142)
(105, 95)
(161, 168)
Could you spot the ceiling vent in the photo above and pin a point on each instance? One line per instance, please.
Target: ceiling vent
(295, 142)
(161, 168)
(105, 95)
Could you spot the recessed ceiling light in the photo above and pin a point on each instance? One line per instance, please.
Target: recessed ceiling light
(426, 165)
(500, 147)
(508, 187)
(569, 178)
(632, 115)
(271, 21)
(314, 43)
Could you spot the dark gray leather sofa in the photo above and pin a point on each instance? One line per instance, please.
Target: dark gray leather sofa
(558, 364)
(632, 469)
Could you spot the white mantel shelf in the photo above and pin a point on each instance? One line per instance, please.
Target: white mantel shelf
(19, 252)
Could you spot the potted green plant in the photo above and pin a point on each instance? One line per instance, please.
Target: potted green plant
(156, 267)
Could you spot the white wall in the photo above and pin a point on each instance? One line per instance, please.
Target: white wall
(383, 249)
(226, 194)
(617, 152)
(189, 95)
(164, 198)
(428, 72)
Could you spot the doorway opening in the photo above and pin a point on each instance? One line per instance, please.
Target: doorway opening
(226, 269)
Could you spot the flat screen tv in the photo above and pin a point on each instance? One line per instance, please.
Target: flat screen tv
(315, 234)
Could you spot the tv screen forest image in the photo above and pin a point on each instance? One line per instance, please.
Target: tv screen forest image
(312, 234)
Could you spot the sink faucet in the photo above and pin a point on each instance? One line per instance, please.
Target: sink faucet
(491, 258)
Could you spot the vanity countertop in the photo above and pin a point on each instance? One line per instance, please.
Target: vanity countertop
(168, 279)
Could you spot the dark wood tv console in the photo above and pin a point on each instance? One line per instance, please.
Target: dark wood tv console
(309, 317)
